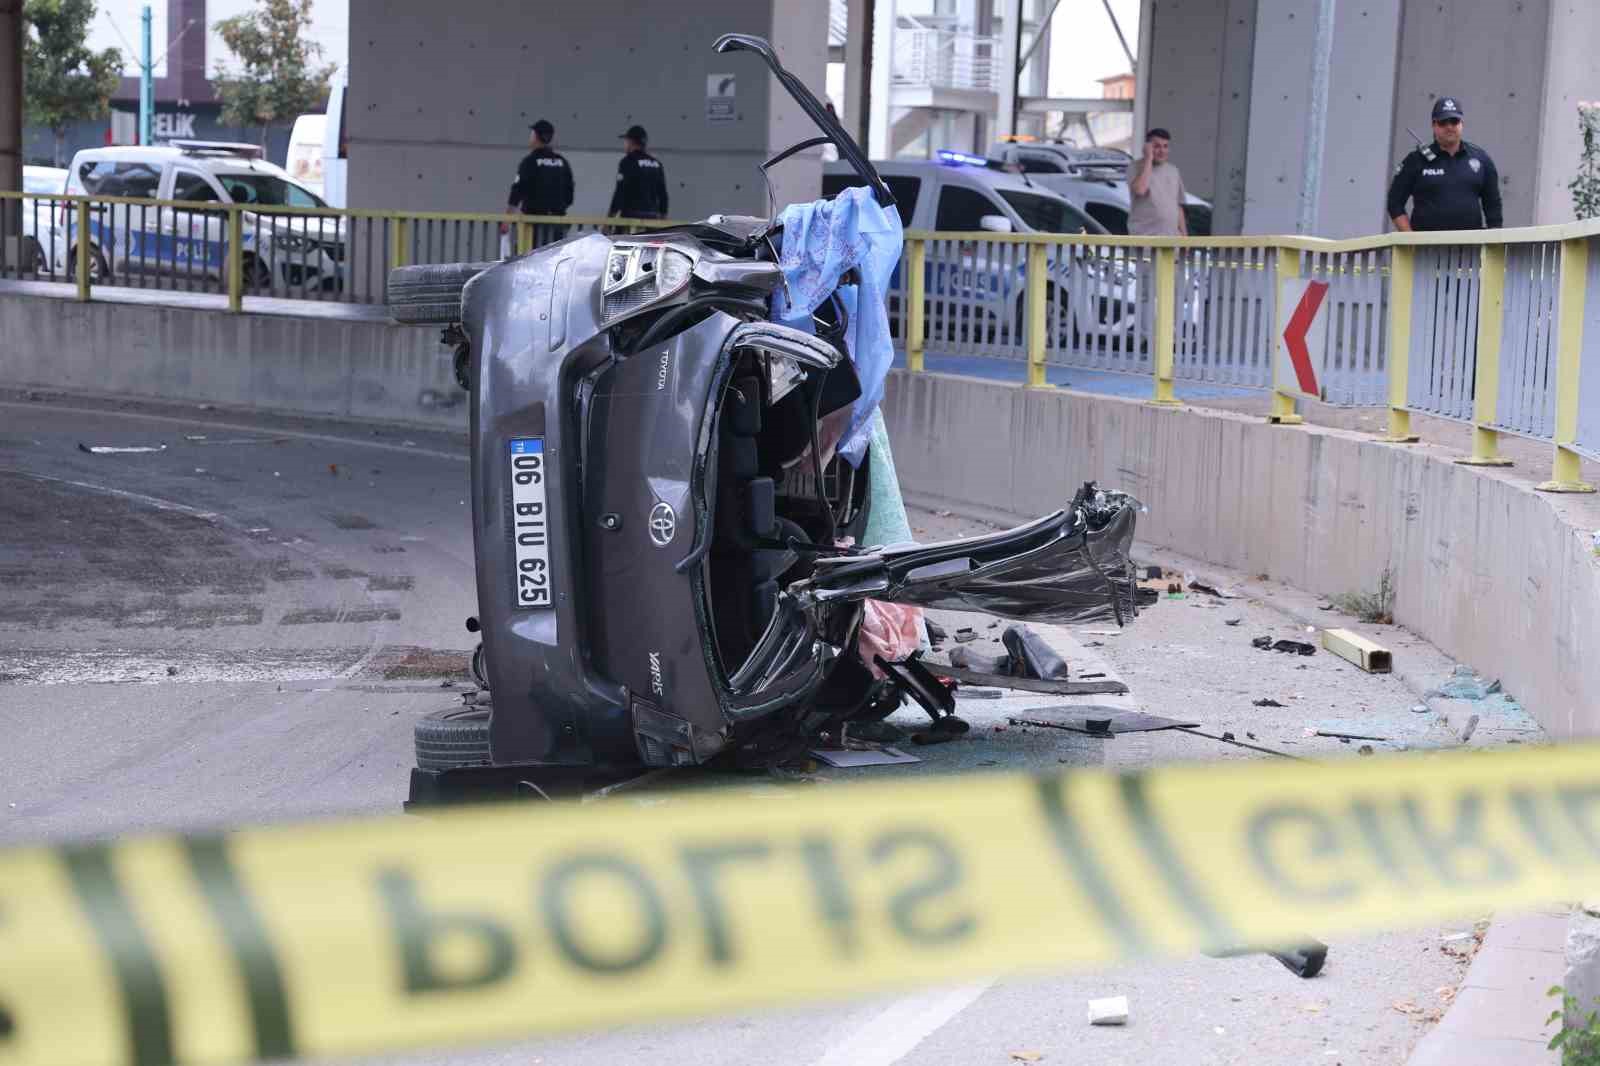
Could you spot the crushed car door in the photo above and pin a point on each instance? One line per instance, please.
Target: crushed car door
(1070, 567)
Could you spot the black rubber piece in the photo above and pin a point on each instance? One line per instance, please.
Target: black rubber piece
(429, 294)
(455, 737)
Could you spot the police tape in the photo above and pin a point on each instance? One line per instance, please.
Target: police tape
(489, 923)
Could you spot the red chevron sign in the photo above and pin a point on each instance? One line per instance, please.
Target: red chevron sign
(1294, 335)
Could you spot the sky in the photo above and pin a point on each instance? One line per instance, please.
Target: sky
(1084, 48)
(116, 25)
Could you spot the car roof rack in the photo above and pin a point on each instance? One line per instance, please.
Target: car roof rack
(249, 151)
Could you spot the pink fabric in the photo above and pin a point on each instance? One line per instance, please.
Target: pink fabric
(891, 630)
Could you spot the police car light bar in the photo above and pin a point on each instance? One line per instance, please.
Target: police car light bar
(247, 151)
(961, 159)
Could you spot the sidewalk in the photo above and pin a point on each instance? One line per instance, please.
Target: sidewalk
(1497, 1018)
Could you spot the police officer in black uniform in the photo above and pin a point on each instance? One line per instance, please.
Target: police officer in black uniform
(544, 183)
(641, 190)
(1452, 184)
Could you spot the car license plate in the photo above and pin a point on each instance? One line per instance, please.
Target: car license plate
(530, 531)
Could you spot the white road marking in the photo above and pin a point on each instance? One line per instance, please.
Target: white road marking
(894, 1032)
(138, 497)
(331, 438)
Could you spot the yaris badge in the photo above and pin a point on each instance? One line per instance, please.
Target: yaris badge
(663, 525)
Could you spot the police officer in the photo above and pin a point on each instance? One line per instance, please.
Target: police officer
(544, 182)
(1452, 184)
(641, 190)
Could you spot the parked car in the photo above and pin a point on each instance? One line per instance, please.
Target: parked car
(288, 250)
(651, 438)
(982, 300)
(41, 229)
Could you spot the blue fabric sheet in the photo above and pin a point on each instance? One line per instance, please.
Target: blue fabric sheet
(821, 241)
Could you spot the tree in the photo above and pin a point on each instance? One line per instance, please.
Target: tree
(63, 79)
(280, 77)
(1586, 186)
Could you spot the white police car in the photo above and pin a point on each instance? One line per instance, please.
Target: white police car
(983, 299)
(280, 250)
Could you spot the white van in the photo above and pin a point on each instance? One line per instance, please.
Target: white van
(303, 160)
(279, 250)
(966, 193)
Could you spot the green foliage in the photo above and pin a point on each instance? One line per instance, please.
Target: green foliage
(63, 79)
(1578, 1039)
(1377, 606)
(1586, 186)
(281, 76)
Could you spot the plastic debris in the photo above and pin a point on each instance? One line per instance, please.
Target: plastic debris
(1267, 701)
(1232, 621)
(1113, 1010)
(112, 449)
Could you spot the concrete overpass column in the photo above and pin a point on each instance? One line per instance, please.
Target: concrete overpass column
(882, 81)
(857, 68)
(1010, 13)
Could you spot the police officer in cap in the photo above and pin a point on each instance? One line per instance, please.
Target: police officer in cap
(641, 190)
(1451, 183)
(544, 182)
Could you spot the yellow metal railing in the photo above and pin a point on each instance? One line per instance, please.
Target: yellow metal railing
(1480, 357)
(396, 238)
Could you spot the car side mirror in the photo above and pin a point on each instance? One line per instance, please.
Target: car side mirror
(995, 223)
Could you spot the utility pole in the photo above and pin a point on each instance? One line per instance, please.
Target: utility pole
(147, 83)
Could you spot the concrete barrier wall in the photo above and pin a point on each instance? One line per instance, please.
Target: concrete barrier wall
(315, 365)
(1488, 570)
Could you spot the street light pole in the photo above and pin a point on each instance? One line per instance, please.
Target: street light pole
(147, 84)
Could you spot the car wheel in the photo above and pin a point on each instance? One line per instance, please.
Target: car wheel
(257, 275)
(430, 294)
(40, 262)
(99, 270)
(455, 737)
(1067, 332)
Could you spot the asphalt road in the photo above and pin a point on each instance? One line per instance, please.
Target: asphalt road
(244, 624)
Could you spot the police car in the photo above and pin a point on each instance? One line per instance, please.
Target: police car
(279, 250)
(960, 192)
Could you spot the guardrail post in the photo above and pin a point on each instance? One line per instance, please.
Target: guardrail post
(1166, 324)
(916, 298)
(1567, 476)
(1402, 284)
(235, 260)
(399, 244)
(1486, 371)
(524, 238)
(82, 265)
(1038, 272)
(1288, 265)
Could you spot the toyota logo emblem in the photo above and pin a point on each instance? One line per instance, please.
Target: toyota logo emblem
(663, 525)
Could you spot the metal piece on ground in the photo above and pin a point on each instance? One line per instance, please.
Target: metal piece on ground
(1031, 656)
(1372, 657)
(1080, 719)
(1241, 744)
(1348, 736)
(1028, 684)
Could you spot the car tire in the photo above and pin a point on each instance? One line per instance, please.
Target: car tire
(430, 294)
(99, 270)
(451, 738)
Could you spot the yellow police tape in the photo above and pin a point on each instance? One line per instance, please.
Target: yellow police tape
(326, 939)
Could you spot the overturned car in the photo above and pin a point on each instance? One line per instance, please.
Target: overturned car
(672, 502)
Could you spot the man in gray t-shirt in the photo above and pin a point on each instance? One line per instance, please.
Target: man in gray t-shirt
(1157, 191)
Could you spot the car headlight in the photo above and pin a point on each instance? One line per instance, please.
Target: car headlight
(640, 274)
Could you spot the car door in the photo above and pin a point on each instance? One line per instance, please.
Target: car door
(1070, 567)
(192, 236)
(966, 277)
